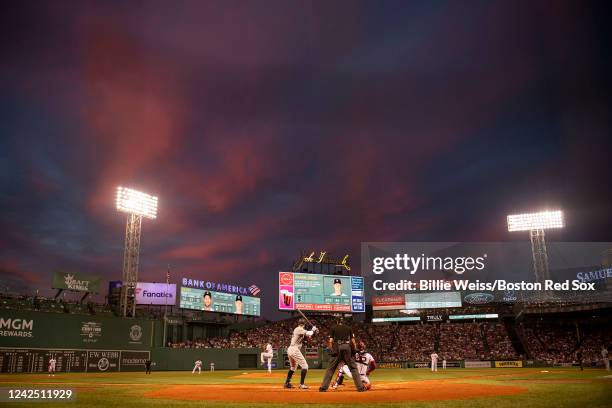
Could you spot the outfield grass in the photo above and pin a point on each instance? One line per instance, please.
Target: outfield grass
(557, 388)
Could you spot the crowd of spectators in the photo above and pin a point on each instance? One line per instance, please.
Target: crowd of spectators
(557, 342)
(410, 342)
(486, 340)
(53, 305)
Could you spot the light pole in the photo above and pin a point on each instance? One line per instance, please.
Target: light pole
(136, 205)
(536, 223)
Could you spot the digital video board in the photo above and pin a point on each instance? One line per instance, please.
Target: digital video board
(321, 293)
(211, 301)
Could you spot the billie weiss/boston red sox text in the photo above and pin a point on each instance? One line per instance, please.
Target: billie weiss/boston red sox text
(477, 285)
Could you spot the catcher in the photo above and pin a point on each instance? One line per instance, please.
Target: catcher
(365, 365)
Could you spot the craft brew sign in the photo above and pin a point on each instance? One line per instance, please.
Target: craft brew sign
(77, 282)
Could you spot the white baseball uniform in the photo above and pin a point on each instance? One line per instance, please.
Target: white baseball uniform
(444, 364)
(604, 356)
(52, 366)
(267, 356)
(434, 362)
(293, 352)
(342, 371)
(364, 361)
(197, 366)
(346, 371)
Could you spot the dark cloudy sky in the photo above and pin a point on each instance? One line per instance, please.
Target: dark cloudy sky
(268, 127)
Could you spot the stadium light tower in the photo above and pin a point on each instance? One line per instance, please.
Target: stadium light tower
(136, 205)
(536, 223)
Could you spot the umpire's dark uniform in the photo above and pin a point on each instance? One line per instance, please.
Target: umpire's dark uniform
(341, 336)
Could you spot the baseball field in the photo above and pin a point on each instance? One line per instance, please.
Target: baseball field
(491, 388)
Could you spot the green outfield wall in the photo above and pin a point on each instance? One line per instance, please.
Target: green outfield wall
(31, 329)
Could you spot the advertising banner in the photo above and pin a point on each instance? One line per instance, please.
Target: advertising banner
(77, 282)
(155, 293)
(225, 287)
(478, 298)
(311, 352)
(508, 364)
(133, 360)
(388, 302)
(103, 361)
(396, 319)
(48, 330)
(477, 364)
(285, 288)
(389, 365)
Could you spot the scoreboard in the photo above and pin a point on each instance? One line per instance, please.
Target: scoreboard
(31, 360)
(36, 361)
(221, 302)
(322, 293)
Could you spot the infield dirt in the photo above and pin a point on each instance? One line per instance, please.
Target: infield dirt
(432, 390)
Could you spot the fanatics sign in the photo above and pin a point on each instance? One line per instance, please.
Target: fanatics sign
(155, 293)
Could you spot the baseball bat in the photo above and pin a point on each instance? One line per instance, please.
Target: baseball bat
(307, 321)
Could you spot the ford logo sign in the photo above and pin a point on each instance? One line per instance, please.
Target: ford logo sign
(478, 298)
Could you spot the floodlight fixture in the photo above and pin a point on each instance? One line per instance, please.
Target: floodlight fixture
(136, 202)
(536, 221)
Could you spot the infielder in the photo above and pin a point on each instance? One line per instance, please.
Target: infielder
(197, 366)
(266, 356)
(434, 362)
(604, 356)
(52, 366)
(295, 355)
(444, 363)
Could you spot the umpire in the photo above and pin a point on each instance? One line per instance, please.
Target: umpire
(342, 342)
